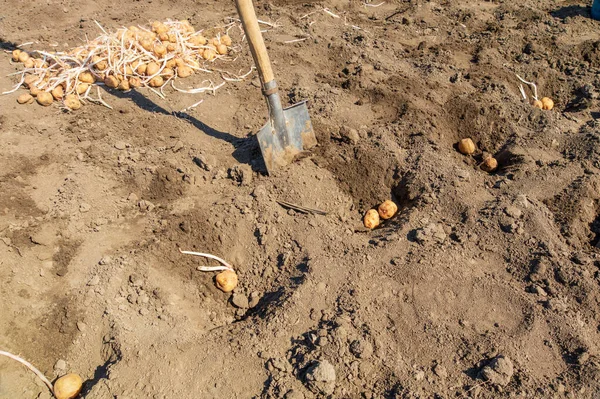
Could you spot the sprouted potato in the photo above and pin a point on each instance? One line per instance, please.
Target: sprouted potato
(126, 58)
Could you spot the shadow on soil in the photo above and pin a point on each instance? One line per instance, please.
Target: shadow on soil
(247, 150)
(571, 11)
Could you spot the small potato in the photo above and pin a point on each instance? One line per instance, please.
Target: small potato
(226, 40)
(72, 102)
(134, 81)
(30, 80)
(160, 50)
(25, 98)
(146, 44)
(172, 63)
(387, 209)
(163, 37)
(184, 71)
(167, 73)
(537, 104)
(198, 40)
(172, 37)
(152, 69)
(489, 165)
(156, 81)
(123, 85)
(111, 81)
(33, 90)
(86, 77)
(171, 47)
(58, 93)
(371, 219)
(68, 386)
(221, 49)
(466, 146)
(81, 88)
(141, 69)
(44, 98)
(23, 56)
(209, 54)
(29, 63)
(15, 55)
(547, 103)
(226, 281)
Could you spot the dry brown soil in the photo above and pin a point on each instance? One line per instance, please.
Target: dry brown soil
(484, 285)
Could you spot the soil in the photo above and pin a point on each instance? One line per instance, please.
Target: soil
(485, 285)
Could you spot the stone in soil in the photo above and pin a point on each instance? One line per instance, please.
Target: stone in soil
(498, 372)
(320, 377)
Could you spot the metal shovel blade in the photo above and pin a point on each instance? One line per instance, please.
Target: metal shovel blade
(279, 148)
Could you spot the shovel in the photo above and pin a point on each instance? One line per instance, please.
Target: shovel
(289, 131)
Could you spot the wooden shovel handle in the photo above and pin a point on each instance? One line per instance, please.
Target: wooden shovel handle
(257, 45)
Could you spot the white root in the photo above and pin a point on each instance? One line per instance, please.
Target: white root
(31, 367)
(532, 84)
(226, 266)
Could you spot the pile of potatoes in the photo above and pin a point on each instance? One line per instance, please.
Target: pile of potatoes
(125, 59)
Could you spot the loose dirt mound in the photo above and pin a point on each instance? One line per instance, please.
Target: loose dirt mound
(484, 285)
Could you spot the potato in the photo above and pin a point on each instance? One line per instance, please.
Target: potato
(134, 81)
(29, 63)
(141, 69)
(68, 386)
(489, 164)
(171, 47)
(15, 55)
(172, 63)
(167, 73)
(222, 49)
(226, 40)
(72, 102)
(172, 37)
(58, 93)
(44, 98)
(33, 90)
(23, 56)
(198, 40)
(152, 69)
(547, 103)
(160, 50)
(81, 88)
(163, 37)
(209, 54)
(156, 81)
(146, 44)
(387, 209)
(538, 104)
(466, 146)
(371, 219)
(226, 281)
(30, 80)
(123, 85)
(25, 98)
(111, 81)
(184, 71)
(86, 77)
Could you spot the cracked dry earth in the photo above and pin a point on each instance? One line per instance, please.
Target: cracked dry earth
(485, 285)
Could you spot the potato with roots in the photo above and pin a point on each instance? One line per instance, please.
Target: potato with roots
(44, 98)
(25, 98)
(226, 281)
(72, 102)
